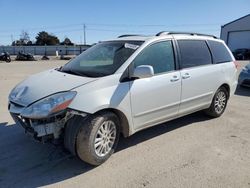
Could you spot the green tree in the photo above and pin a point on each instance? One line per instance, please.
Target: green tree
(44, 38)
(67, 42)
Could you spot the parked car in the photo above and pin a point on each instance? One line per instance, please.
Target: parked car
(62, 57)
(244, 77)
(5, 56)
(25, 57)
(123, 86)
(242, 54)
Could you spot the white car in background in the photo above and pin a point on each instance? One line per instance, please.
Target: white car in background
(123, 86)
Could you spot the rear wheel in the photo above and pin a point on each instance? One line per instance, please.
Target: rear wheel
(219, 103)
(8, 60)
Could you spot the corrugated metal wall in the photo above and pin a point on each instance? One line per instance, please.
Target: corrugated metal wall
(44, 50)
(236, 33)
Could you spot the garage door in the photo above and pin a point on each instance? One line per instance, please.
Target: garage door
(239, 39)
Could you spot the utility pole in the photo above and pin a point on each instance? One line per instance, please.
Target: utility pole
(84, 33)
(12, 40)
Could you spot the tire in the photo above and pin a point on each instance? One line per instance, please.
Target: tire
(88, 132)
(70, 132)
(219, 103)
(8, 60)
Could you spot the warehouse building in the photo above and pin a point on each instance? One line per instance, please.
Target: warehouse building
(236, 34)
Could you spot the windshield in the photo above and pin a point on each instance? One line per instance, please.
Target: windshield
(102, 59)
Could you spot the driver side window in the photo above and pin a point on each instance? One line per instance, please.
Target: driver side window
(159, 55)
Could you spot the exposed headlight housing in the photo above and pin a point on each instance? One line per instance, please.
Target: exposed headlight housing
(49, 105)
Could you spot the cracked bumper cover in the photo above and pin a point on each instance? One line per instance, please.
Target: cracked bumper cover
(50, 127)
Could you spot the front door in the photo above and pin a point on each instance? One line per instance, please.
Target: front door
(156, 99)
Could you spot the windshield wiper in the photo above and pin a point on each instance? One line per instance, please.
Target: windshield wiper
(69, 71)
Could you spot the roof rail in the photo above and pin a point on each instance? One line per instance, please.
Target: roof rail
(128, 35)
(162, 33)
(183, 33)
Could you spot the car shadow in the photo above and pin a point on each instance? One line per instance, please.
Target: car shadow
(26, 163)
(160, 129)
(242, 91)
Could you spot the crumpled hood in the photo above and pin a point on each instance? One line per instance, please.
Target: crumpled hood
(45, 83)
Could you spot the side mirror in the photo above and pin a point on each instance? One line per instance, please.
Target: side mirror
(143, 71)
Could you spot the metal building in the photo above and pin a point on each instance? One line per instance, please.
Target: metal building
(237, 33)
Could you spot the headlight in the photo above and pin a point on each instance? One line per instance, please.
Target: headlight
(49, 105)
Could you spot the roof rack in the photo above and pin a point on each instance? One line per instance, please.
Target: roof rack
(183, 33)
(128, 35)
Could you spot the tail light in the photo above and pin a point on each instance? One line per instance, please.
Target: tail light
(236, 64)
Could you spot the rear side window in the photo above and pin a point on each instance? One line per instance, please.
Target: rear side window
(220, 52)
(159, 55)
(194, 53)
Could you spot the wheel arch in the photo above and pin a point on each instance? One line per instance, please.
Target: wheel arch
(125, 127)
(227, 87)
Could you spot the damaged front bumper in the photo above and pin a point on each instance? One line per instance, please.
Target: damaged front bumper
(42, 129)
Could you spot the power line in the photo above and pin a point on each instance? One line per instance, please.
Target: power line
(112, 28)
(115, 25)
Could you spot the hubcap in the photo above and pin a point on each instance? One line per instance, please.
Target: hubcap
(220, 102)
(105, 138)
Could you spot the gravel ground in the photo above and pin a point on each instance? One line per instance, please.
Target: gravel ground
(193, 151)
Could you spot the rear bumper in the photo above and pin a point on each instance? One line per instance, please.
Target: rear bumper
(233, 88)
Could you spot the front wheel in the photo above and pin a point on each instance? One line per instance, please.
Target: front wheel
(97, 138)
(219, 103)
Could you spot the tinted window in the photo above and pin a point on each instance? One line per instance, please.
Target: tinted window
(194, 53)
(159, 55)
(219, 51)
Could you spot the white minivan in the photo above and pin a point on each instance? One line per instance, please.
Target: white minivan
(122, 86)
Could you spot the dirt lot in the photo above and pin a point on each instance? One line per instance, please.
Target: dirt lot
(193, 151)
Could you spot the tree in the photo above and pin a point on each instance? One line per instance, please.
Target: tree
(24, 37)
(29, 43)
(23, 41)
(67, 42)
(44, 38)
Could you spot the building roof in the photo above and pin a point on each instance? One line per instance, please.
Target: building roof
(235, 20)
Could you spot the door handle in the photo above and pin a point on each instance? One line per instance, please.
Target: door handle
(185, 76)
(174, 79)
